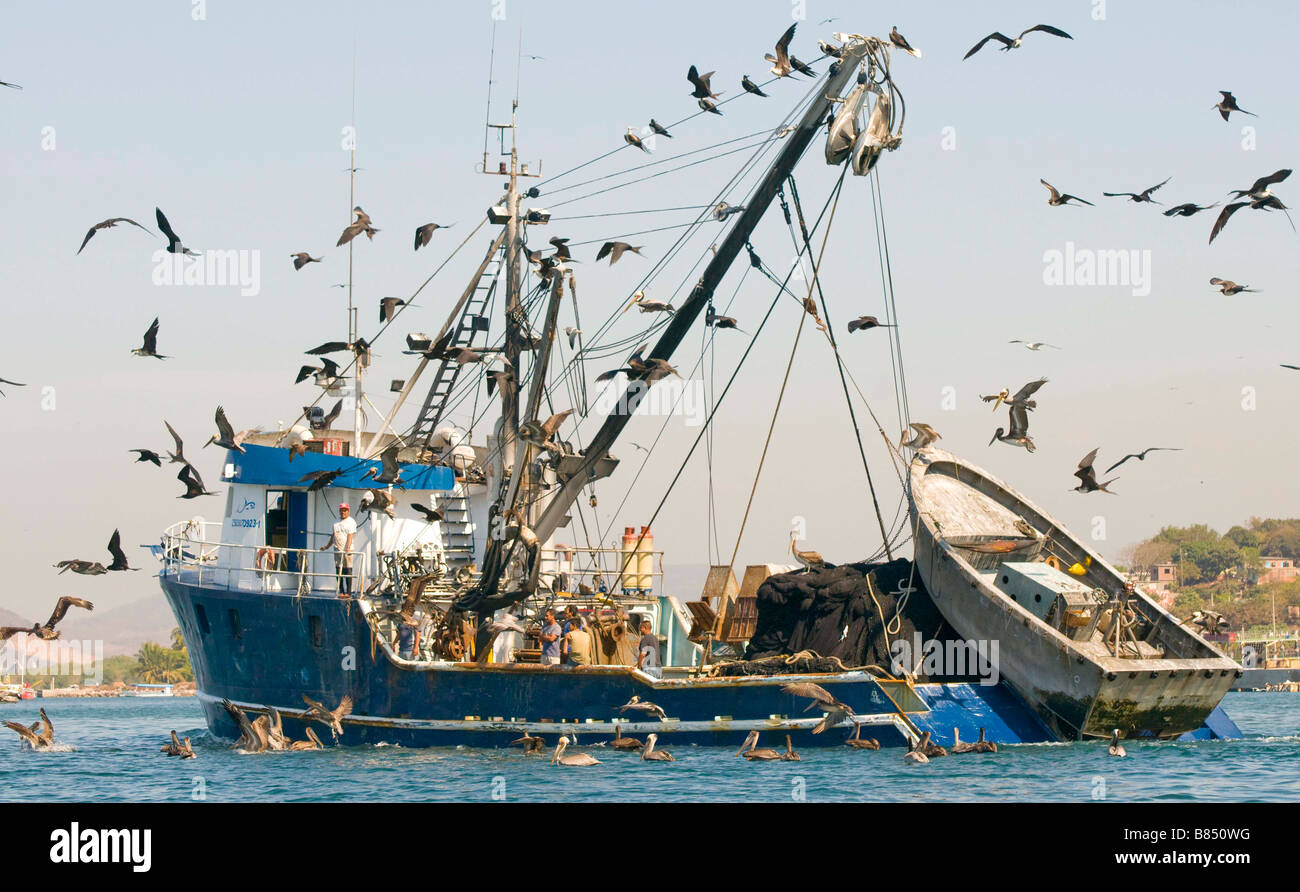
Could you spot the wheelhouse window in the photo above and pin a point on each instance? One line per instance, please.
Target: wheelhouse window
(277, 519)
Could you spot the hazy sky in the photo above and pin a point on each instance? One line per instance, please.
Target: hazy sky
(232, 124)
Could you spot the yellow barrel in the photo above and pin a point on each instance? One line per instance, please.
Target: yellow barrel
(645, 558)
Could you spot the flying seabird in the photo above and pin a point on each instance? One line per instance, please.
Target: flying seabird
(388, 307)
(193, 483)
(925, 435)
(1269, 202)
(430, 514)
(424, 234)
(615, 250)
(30, 738)
(865, 323)
(358, 226)
(1143, 196)
(1228, 104)
(573, 335)
(174, 245)
(713, 320)
(47, 632)
(649, 306)
(542, 433)
(816, 693)
(1259, 188)
(656, 127)
(781, 65)
(9, 85)
(633, 140)
(319, 479)
(177, 457)
(1022, 396)
(119, 556)
(1088, 477)
(1019, 433)
(900, 41)
(225, 436)
(326, 374)
(1056, 199)
(650, 754)
(83, 568)
(1141, 456)
(302, 258)
(1186, 210)
(107, 224)
(332, 718)
(11, 383)
(147, 455)
(701, 84)
(1009, 44)
(150, 345)
(639, 705)
(1034, 345)
(391, 472)
(751, 87)
(532, 745)
(1228, 288)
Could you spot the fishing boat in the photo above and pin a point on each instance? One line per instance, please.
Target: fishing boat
(1088, 650)
(430, 622)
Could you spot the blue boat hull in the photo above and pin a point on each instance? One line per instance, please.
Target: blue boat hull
(263, 650)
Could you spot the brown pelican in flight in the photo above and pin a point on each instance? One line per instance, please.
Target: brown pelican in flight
(532, 745)
(925, 435)
(332, 718)
(1009, 44)
(1227, 287)
(225, 436)
(1022, 396)
(1019, 433)
(781, 65)
(638, 705)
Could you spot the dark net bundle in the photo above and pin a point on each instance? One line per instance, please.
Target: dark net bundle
(826, 620)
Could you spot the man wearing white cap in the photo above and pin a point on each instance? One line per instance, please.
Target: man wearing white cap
(344, 531)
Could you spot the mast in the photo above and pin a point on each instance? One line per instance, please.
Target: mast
(352, 309)
(595, 463)
(797, 142)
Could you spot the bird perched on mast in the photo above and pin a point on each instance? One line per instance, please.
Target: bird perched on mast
(900, 41)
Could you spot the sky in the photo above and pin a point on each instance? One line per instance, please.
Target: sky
(230, 116)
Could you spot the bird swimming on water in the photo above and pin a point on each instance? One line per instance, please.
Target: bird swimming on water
(751, 751)
(575, 759)
(650, 754)
(1116, 748)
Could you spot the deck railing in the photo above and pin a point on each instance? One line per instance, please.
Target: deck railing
(194, 551)
(620, 572)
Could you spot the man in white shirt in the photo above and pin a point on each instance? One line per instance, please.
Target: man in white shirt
(344, 531)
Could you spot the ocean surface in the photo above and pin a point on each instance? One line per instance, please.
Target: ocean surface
(107, 750)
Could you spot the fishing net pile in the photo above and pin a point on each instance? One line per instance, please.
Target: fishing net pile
(837, 618)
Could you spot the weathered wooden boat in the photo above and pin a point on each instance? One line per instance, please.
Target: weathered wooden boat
(1086, 649)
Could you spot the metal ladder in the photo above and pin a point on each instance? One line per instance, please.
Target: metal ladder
(472, 321)
(457, 527)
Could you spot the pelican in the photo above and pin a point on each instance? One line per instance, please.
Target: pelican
(781, 64)
(984, 746)
(1019, 433)
(650, 754)
(1088, 477)
(925, 435)
(30, 737)
(636, 703)
(186, 751)
(329, 717)
(302, 258)
(47, 632)
(809, 559)
(914, 756)
(390, 472)
(959, 748)
(624, 743)
(1022, 396)
(250, 741)
(815, 692)
(311, 743)
(1008, 44)
(575, 759)
(275, 730)
(930, 750)
(226, 436)
(900, 41)
(1116, 748)
(858, 743)
(173, 747)
(1227, 287)
(532, 745)
(789, 755)
(753, 753)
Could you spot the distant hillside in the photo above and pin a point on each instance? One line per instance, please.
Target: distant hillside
(125, 628)
(9, 618)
